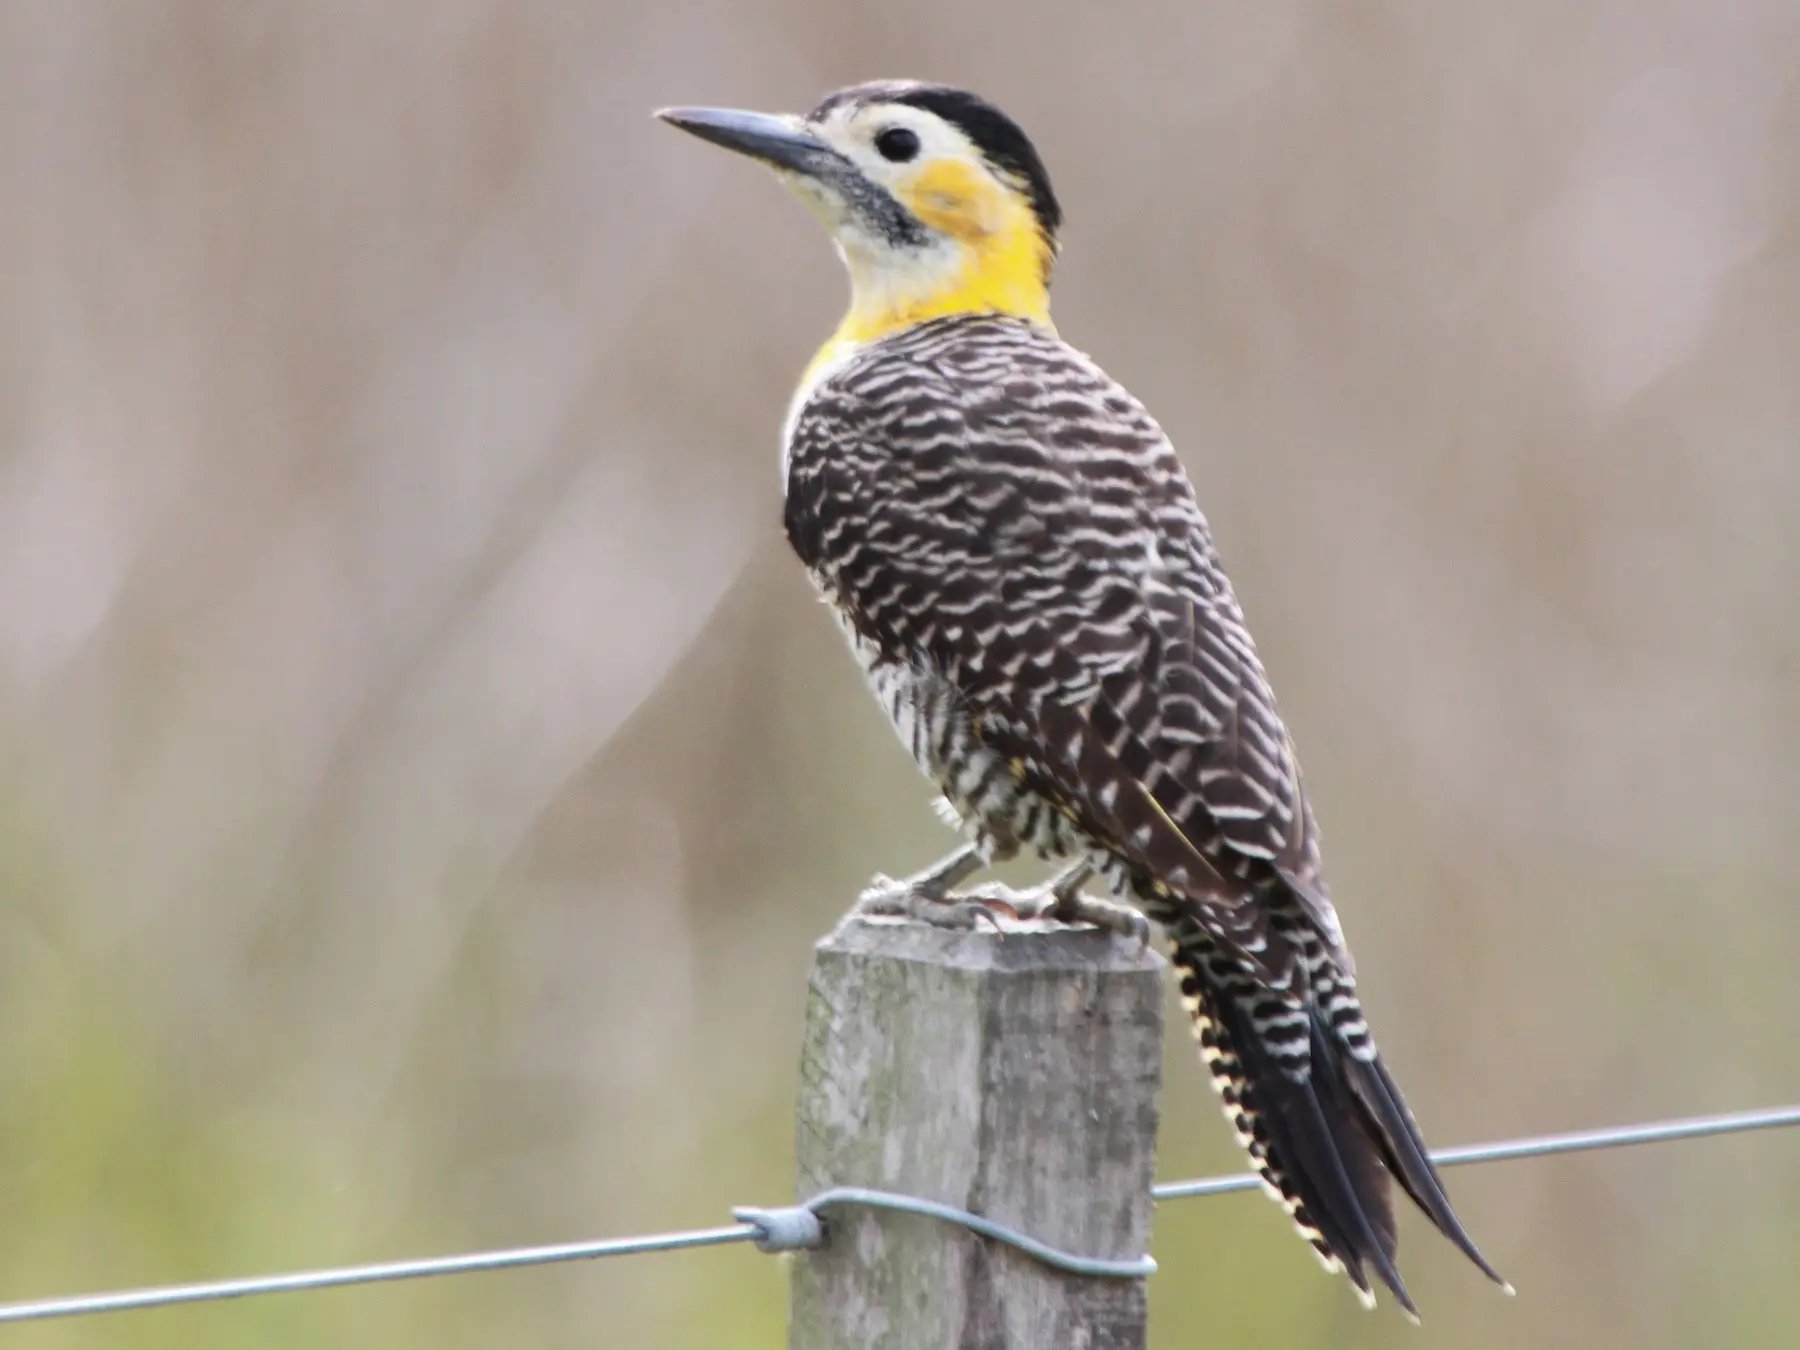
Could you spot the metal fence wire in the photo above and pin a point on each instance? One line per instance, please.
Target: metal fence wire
(797, 1227)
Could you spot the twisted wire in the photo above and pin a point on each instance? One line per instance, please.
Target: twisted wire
(798, 1227)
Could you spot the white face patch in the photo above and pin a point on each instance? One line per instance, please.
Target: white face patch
(886, 271)
(852, 129)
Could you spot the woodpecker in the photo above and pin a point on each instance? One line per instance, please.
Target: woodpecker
(1017, 558)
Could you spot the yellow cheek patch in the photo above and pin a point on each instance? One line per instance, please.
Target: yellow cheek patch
(957, 199)
(1003, 265)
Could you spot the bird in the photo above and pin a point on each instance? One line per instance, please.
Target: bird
(1019, 563)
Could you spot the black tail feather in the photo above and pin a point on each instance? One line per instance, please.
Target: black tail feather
(1403, 1151)
(1321, 1157)
(1328, 1141)
(1357, 1155)
(1303, 1134)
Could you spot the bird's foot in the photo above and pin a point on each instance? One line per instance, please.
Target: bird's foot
(1062, 900)
(917, 898)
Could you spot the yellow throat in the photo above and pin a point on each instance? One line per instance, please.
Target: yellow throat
(993, 258)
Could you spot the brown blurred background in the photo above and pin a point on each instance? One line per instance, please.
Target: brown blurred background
(423, 770)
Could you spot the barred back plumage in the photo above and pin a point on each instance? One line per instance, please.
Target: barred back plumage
(1019, 562)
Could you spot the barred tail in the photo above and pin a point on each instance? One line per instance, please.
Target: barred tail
(1325, 1129)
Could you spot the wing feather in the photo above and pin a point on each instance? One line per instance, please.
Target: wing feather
(1034, 541)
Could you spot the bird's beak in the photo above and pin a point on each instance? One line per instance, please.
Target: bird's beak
(778, 141)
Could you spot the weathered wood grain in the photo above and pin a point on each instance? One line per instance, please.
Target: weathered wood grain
(1013, 1076)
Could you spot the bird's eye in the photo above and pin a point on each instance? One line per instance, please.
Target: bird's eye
(898, 144)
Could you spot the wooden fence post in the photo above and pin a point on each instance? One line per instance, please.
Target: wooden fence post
(1015, 1077)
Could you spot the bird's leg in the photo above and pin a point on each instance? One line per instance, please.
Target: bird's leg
(1062, 900)
(926, 895)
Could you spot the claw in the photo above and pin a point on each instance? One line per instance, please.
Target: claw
(927, 897)
(1061, 900)
(987, 904)
(905, 899)
(1106, 915)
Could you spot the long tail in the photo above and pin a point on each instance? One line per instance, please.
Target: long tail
(1324, 1124)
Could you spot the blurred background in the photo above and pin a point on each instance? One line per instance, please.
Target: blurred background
(423, 771)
